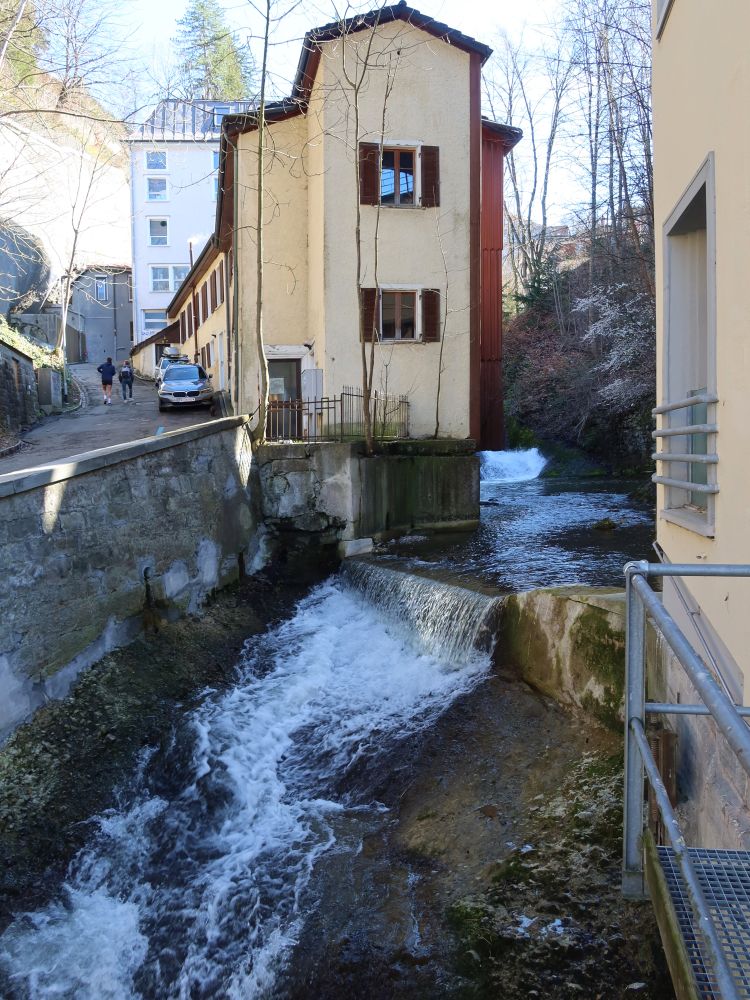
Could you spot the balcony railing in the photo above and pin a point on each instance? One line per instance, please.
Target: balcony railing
(337, 418)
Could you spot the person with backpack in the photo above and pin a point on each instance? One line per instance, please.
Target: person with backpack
(126, 381)
(107, 372)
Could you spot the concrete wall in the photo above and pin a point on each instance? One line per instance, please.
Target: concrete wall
(337, 492)
(570, 643)
(106, 325)
(79, 542)
(701, 72)
(19, 405)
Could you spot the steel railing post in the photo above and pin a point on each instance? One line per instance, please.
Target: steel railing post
(633, 883)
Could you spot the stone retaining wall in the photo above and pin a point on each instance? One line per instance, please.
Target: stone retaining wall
(337, 492)
(86, 546)
(19, 405)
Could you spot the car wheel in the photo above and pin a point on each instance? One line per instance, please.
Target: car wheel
(162, 407)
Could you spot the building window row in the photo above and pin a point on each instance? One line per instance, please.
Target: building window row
(207, 297)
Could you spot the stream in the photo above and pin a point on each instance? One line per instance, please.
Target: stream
(282, 842)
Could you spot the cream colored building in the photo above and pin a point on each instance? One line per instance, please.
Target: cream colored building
(701, 84)
(431, 232)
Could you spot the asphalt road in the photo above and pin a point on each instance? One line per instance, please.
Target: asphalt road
(95, 425)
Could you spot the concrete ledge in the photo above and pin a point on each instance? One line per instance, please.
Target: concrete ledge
(90, 461)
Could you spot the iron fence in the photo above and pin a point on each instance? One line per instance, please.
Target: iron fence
(338, 418)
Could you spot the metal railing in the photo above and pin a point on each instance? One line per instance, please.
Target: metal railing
(643, 602)
(705, 458)
(337, 418)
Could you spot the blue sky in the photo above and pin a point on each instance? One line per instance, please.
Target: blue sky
(153, 23)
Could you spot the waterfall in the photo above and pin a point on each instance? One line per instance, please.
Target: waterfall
(511, 466)
(451, 621)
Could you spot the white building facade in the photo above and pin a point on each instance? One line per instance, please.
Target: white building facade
(174, 159)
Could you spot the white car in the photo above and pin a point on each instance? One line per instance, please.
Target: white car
(185, 385)
(165, 361)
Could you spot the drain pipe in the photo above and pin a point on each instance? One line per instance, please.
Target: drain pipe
(235, 279)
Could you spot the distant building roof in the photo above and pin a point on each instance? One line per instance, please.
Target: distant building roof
(187, 121)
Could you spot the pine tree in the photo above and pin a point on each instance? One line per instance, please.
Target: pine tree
(212, 63)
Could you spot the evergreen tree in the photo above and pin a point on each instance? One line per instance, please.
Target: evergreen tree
(212, 63)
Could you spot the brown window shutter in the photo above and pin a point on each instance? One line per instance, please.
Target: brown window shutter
(369, 310)
(213, 290)
(369, 173)
(204, 302)
(430, 176)
(182, 327)
(221, 282)
(189, 331)
(430, 315)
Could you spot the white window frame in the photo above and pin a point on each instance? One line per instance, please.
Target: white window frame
(417, 149)
(663, 8)
(157, 218)
(222, 110)
(160, 152)
(100, 281)
(174, 284)
(675, 510)
(166, 189)
(147, 329)
(417, 338)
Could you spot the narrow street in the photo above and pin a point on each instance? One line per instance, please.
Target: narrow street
(95, 425)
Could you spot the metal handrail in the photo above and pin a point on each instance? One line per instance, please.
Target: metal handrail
(640, 600)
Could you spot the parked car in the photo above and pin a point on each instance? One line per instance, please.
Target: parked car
(165, 361)
(183, 385)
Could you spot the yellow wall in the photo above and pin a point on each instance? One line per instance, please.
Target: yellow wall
(285, 255)
(310, 275)
(409, 246)
(701, 81)
(212, 329)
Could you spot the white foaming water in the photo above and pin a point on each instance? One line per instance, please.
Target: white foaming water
(511, 466)
(202, 896)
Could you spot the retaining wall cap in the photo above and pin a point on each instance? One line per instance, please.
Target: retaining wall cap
(30, 479)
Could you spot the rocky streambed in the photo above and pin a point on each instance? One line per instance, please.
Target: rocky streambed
(471, 853)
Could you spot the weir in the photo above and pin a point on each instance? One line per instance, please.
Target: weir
(452, 622)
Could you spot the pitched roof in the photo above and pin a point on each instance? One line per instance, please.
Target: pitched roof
(186, 121)
(384, 15)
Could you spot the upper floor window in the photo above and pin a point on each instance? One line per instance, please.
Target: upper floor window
(100, 288)
(156, 188)
(397, 177)
(219, 112)
(153, 320)
(167, 277)
(402, 177)
(156, 159)
(401, 315)
(158, 232)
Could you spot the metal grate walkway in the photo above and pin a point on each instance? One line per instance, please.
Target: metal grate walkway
(724, 877)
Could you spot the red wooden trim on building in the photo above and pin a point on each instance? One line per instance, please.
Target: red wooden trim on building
(475, 203)
(492, 432)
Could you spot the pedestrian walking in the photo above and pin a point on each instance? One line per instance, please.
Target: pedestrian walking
(126, 381)
(107, 372)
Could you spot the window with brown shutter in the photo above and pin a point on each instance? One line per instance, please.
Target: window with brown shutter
(221, 282)
(213, 291)
(189, 320)
(369, 173)
(182, 327)
(430, 177)
(430, 315)
(398, 315)
(204, 301)
(369, 304)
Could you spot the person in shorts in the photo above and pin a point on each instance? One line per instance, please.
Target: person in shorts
(107, 372)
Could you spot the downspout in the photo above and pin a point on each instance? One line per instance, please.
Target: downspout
(236, 288)
(114, 314)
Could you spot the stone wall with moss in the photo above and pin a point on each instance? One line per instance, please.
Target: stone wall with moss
(87, 548)
(569, 642)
